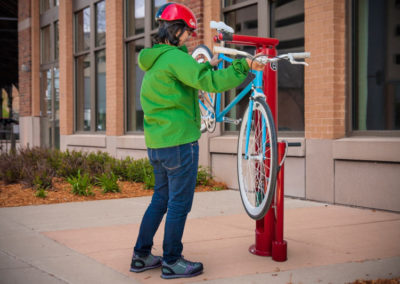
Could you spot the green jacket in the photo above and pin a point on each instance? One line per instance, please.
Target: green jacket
(169, 93)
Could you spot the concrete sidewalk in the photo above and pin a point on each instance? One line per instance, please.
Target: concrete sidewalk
(91, 242)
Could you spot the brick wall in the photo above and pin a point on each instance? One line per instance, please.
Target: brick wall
(24, 57)
(325, 104)
(66, 64)
(115, 68)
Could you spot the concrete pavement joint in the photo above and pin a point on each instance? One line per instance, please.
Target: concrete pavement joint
(10, 255)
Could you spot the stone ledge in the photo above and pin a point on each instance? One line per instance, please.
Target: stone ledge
(131, 142)
(86, 140)
(383, 149)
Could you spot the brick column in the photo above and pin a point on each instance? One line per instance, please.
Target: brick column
(115, 67)
(212, 12)
(325, 92)
(24, 57)
(66, 63)
(325, 77)
(35, 30)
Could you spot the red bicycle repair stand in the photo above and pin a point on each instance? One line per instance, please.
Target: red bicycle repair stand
(269, 230)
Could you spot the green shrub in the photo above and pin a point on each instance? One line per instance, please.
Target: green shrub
(108, 182)
(10, 167)
(72, 162)
(80, 184)
(98, 163)
(41, 178)
(41, 193)
(203, 176)
(148, 177)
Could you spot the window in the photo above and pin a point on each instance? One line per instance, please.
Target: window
(49, 75)
(285, 21)
(287, 25)
(138, 33)
(244, 21)
(90, 67)
(375, 65)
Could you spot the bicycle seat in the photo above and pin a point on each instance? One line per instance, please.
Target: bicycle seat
(221, 26)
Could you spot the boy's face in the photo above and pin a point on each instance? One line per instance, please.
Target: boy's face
(185, 37)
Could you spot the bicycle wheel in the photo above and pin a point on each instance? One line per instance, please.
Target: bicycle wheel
(203, 54)
(257, 166)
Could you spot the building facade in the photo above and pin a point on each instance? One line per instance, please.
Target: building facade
(80, 87)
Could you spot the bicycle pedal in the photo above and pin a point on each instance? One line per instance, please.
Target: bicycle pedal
(231, 120)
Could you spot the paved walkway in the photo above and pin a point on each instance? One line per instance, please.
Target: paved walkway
(91, 242)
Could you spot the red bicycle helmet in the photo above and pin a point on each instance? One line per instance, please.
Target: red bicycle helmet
(174, 11)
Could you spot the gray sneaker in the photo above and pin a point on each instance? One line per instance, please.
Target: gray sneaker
(140, 264)
(182, 268)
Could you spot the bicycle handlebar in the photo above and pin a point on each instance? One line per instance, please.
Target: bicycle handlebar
(264, 59)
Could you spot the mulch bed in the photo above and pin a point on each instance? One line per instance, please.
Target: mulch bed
(12, 195)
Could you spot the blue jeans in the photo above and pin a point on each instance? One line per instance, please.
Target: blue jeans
(175, 170)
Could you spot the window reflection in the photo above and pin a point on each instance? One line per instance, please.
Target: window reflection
(82, 30)
(45, 45)
(101, 90)
(134, 17)
(100, 23)
(44, 5)
(134, 81)
(56, 40)
(376, 65)
(155, 5)
(83, 103)
(244, 22)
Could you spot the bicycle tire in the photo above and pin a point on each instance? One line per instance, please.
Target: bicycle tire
(206, 100)
(257, 173)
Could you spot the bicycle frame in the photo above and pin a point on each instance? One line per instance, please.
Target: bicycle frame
(256, 83)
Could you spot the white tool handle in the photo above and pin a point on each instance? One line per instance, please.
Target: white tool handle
(300, 55)
(221, 26)
(230, 51)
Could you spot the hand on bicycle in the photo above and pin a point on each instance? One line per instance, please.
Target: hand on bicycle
(254, 64)
(215, 61)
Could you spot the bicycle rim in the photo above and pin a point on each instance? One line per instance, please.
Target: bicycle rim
(203, 54)
(257, 171)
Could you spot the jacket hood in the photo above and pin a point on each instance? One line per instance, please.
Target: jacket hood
(148, 56)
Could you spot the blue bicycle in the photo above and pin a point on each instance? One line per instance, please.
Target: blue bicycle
(257, 154)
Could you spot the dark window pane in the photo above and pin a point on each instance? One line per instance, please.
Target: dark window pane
(287, 25)
(134, 17)
(82, 30)
(83, 93)
(155, 5)
(45, 45)
(56, 94)
(44, 5)
(101, 90)
(134, 82)
(100, 23)
(56, 40)
(376, 79)
(56, 2)
(244, 22)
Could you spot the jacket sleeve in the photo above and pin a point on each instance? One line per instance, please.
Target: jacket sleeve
(202, 77)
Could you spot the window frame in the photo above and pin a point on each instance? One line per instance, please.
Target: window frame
(78, 6)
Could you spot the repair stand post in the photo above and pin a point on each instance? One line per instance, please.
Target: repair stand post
(269, 230)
